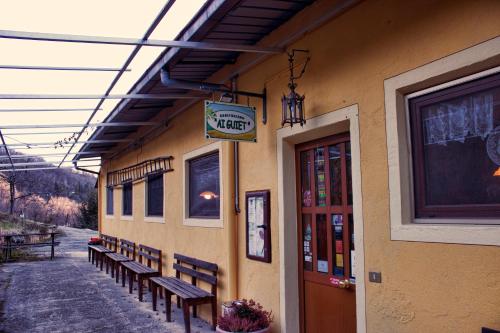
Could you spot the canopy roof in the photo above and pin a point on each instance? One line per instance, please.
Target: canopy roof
(222, 22)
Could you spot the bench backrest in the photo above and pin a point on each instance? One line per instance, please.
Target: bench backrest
(110, 242)
(190, 266)
(127, 248)
(150, 254)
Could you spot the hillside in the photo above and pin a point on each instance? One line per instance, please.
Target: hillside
(52, 196)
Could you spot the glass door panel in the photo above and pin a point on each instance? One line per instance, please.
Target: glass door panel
(305, 178)
(348, 171)
(338, 248)
(307, 242)
(334, 154)
(320, 176)
(322, 243)
(352, 251)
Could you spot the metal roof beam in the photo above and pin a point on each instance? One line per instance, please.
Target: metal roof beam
(127, 63)
(35, 144)
(47, 110)
(40, 133)
(11, 34)
(2, 165)
(65, 68)
(126, 96)
(115, 124)
(54, 154)
(47, 168)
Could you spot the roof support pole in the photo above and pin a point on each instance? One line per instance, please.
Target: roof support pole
(7, 151)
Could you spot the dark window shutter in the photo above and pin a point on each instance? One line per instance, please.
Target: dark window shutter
(109, 200)
(127, 199)
(155, 195)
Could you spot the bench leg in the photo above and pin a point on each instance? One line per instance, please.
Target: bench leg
(130, 281)
(187, 319)
(107, 263)
(214, 313)
(168, 305)
(117, 272)
(101, 257)
(112, 264)
(178, 302)
(97, 255)
(195, 313)
(124, 270)
(92, 256)
(153, 291)
(139, 286)
(89, 254)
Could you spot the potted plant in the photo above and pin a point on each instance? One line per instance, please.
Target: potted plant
(245, 316)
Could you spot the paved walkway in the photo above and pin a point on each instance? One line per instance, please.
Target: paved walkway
(70, 295)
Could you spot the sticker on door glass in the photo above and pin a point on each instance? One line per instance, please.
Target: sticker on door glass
(323, 266)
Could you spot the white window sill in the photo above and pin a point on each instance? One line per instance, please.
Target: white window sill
(109, 217)
(127, 218)
(204, 223)
(454, 234)
(154, 219)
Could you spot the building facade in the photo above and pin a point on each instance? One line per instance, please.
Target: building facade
(383, 206)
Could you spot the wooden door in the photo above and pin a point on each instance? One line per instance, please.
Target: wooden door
(326, 236)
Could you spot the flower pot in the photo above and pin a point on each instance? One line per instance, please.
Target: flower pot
(265, 330)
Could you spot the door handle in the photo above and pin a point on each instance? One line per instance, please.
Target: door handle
(344, 284)
(341, 284)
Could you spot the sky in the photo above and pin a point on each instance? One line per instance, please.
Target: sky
(109, 18)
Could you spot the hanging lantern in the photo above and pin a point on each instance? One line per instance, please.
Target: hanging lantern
(292, 105)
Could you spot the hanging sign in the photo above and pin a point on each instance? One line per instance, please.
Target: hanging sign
(228, 121)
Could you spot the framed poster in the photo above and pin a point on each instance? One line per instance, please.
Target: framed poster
(258, 225)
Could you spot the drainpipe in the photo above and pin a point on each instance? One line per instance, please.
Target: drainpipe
(232, 214)
(84, 170)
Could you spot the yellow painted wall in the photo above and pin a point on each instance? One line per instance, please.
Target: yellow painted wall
(426, 287)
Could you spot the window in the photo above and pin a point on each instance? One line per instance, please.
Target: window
(109, 200)
(455, 138)
(154, 195)
(204, 186)
(127, 199)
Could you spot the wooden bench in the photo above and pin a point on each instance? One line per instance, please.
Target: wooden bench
(134, 268)
(127, 253)
(97, 252)
(190, 293)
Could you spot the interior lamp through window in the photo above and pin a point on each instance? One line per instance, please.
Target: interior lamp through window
(207, 195)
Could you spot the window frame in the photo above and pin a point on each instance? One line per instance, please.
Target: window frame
(108, 213)
(208, 222)
(415, 102)
(473, 62)
(147, 216)
(131, 200)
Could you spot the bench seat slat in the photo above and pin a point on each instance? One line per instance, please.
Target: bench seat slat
(199, 275)
(100, 248)
(181, 288)
(139, 268)
(118, 257)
